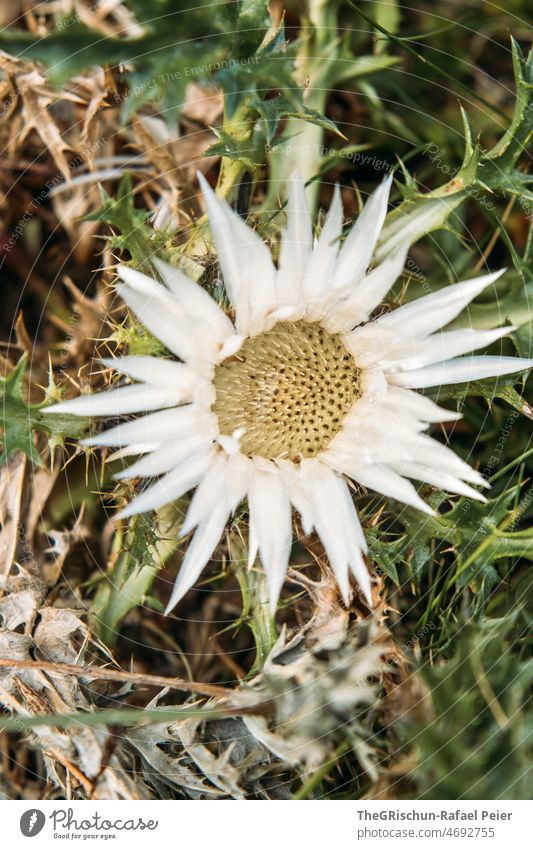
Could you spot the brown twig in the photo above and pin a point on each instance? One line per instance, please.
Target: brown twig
(211, 690)
(80, 777)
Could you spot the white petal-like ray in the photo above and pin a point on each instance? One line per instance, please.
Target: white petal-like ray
(163, 426)
(299, 498)
(164, 459)
(138, 398)
(132, 450)
(366, 295)
(443, 346)
(356, 252)
(418, 405)
(296, 245)
(371, 290)
(461, 370)
(230, 347)
(431, 453)
(172, 485)
(320, 264)
(230, 478)
(373, 344)
(157, 371)
(199, 551)
(367, 442)
(387, 482)
(208, 494)
(337, 525)
(364, 419)
(163, 317)
(253, 546)
(348, 457)
(227, 479)
(356, 537)
(373, 384)
(359, 570)
(186, 327)
(245, 262)
(425, 315)
(270, 516)
(439, 479)
(194, 299)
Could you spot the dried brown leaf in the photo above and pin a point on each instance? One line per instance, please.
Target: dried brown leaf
(11, 481)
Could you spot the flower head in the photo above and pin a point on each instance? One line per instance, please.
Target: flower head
(297, 392)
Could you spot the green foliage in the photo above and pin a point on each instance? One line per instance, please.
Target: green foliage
(255, 607)
(387, 554)
(477, 743)
(134, 236)
(328, 60)
(140, 551)
(460, 581)
(129, 579)
(513, 143)
(20, 420)
(231, 44)
(481, 172)
(488, 389)
(18, 417)
(467, 547)
(259, 93)
(177, 37)
(261, 122)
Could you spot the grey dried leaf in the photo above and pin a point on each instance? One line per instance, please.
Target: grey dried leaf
(60, 635)
(15, 646)
(253, 760)
(203, 760)
(24, 594)
(314, 693)
(216, 768)
(164, 760)
(319, 694)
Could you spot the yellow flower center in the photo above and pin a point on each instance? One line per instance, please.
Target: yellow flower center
(288, 389)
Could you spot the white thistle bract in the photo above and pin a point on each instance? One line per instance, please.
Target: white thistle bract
(298, 393)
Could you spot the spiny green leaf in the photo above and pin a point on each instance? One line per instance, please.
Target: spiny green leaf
(20, 419)
(480, 535)
(480, 172)
(248, 19)
(386, 554)
(258, 76)
(17, 416)
(120, 212)
(514, 141)
(488, 389)
(233, 147)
